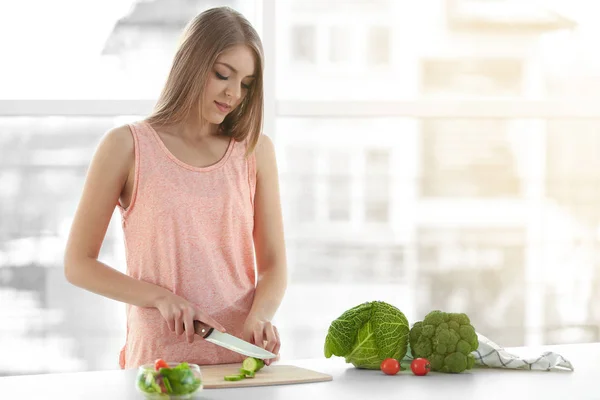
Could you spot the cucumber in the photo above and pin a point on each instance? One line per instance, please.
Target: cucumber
(250, 366)
(253, 364)
(234, 377)
(246, 373)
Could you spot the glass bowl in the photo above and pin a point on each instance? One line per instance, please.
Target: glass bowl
(178, 382)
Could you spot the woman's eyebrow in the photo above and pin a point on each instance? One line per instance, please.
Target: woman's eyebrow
(233, 69)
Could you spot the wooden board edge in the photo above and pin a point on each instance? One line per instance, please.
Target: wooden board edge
(248, 383)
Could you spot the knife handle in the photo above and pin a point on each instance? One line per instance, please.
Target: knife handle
(202, 329)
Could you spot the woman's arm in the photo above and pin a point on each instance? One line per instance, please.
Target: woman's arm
(269, 246)
(106, 179)
(107, 176)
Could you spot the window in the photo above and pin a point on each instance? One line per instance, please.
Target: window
(457, 262)
(328, 50)
(472, 77)
(396, 272)
(377, 190)
(304, 44)
(120, 50)
(43, 162)
(572, 165)
(301, 183)
(469, 158)
(341, 44)
(379, 45)
(339, 186)
(465, 206)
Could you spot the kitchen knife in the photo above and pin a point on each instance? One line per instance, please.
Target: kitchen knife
(231, 342)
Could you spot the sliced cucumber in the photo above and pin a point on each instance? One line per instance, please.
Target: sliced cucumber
(250, 366)
(253, 364)
(238, 377)
(247, 374)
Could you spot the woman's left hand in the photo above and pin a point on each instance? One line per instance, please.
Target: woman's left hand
(263, 334)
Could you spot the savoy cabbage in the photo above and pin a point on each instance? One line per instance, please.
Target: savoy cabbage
(367, 334)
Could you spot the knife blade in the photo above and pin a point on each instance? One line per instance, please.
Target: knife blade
(231, 342)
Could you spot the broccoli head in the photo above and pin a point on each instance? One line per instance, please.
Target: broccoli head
(446, 340)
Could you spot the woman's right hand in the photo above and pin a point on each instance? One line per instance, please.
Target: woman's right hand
(180, 315)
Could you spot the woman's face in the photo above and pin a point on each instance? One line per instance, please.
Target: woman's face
(228, 83)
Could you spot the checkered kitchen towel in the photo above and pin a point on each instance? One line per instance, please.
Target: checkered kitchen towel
(491, 355)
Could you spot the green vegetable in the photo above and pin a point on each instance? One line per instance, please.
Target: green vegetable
(368, 334)
(446, 340)
(253, 364)
(234, 377)
(167, 385)
(147, 382)
(247, 374)
(250, 366)
(179, 380)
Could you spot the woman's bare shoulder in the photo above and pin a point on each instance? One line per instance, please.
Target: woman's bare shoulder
(119, 136)
(115, 152)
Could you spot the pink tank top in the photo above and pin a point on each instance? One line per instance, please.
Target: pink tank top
(189, 230)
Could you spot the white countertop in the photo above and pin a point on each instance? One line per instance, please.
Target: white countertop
(350, 383)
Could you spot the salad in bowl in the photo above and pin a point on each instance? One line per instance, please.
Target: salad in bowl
(168, 380)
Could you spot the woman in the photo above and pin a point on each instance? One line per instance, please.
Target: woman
(197, 187)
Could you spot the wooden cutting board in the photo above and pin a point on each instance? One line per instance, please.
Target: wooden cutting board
(212, 376)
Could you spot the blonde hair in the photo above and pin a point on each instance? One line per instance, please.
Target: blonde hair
(207, 36)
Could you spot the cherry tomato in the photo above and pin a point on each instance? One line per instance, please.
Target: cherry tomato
(390, 366)
(160, 363)
(420, 366)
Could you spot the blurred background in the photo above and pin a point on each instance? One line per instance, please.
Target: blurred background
(432, 154)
